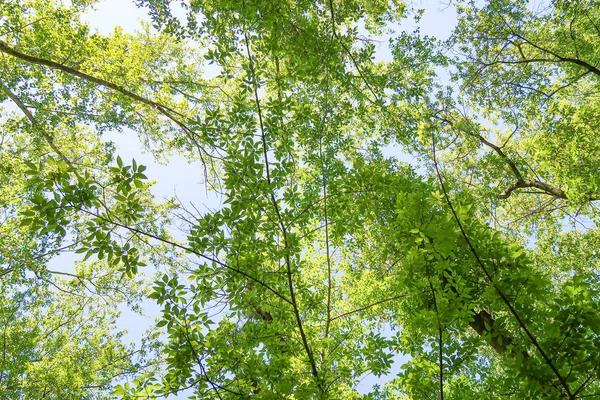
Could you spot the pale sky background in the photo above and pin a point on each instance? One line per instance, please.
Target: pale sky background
(181, 178)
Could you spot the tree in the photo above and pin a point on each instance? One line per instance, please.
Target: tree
(322, 240)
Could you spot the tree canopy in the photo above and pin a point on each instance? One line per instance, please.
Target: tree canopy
(328, 257)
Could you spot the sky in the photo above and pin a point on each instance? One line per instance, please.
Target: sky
(180, 178)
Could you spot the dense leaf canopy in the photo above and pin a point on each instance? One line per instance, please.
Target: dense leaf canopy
(470, 273)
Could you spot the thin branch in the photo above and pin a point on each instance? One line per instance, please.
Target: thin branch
(585, 382)
(329, 278)
(347, 50)
(440, 340)
(367, 306)
(514, 130)
(189, 250)
(281, 224)
(214, 385)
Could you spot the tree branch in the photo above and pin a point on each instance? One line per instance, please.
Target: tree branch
(505, 299)
(164, 110)
(544, 187)
(190, 250)
(328, 255)
(558, 58)
(6, 48)
(368, 306)
(440, 340)
(511, 163)
(288, 262)
(36, 125)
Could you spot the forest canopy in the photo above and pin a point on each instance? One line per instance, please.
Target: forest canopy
(470, 272)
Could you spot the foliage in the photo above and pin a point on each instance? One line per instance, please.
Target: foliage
(328, 257)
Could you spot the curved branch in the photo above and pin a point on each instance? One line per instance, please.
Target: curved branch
(558, 58)
(544, 187)
(7, 49)
(164, 110)
(511, 163)
(521, 182)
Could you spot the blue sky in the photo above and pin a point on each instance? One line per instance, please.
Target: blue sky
(182, 179)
